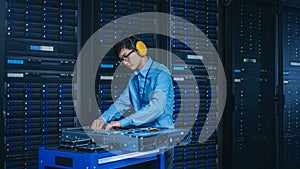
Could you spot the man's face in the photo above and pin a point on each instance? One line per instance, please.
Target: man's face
(130, 58)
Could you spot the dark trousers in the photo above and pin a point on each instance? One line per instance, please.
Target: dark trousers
(169, 156)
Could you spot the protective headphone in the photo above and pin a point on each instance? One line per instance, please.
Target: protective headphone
(139, 46)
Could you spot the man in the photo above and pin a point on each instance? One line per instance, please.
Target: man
(149, 92)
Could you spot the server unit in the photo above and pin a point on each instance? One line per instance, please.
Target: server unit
(253, 117)
(39, 56)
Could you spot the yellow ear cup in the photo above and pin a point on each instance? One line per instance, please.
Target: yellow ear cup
(141, 48)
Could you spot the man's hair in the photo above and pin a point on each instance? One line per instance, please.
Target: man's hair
(128, 43)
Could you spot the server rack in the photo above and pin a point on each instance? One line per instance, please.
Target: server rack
(290, 115)
(205, 15)
(253, 117)
(40, 40)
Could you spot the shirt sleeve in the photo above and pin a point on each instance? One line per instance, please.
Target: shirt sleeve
(117, 109)
(156, 106)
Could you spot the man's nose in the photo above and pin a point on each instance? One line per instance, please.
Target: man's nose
(125, 62)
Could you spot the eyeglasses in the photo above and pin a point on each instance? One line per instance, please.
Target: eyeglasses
(124, 57)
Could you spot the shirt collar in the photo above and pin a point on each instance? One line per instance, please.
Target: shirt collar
(145, 69)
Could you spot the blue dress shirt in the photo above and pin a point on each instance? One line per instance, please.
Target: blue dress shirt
(152, 101)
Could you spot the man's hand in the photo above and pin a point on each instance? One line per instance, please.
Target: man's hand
(98, 124)
(113, 125)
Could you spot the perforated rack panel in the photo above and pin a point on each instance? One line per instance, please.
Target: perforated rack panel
(40, 53)
(253, 80)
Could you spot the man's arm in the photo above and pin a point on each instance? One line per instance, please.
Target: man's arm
(115, 111)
